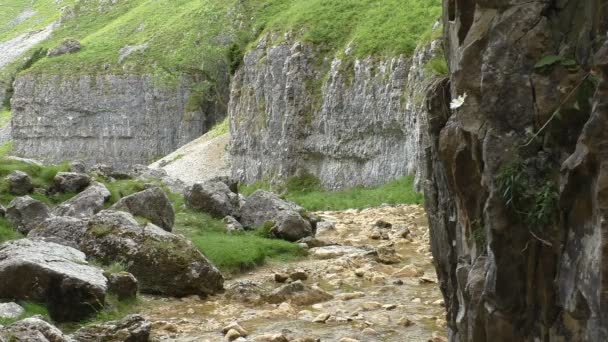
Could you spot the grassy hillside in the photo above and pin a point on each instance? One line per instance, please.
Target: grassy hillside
(20, 16)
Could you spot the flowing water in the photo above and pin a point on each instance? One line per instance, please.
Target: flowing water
(390, 298)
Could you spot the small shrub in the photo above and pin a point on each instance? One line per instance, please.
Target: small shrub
(437, 66)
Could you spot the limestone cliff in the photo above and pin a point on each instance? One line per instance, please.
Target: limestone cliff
(348, 121)
(516, 192)
(114, 119)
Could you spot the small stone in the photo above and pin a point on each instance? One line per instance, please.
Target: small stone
(409, 271)
(404, 233)
(427, 280)
(280, 277)
(416, 300)
(322, 318)
(123, 284)
(389, 306)
(271, 338)
(439, 302)
(369, 332)
(234, 326)
(350, 295)
(398, 282)
(10, 310)
(360, 272)
(19, 183)
(232, 335)
(405, 322)
(437, 338)
(369, 306)
(298, 275)
(383, 224)
(348, 339)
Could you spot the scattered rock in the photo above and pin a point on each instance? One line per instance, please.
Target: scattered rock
(281, 277)
(322, 318)
(330, 252)
(214, 198)
(152, 204)
(387, 255)
(298, 275)
(53, 274)
(33, 329)
(122, 284)
(232, 225)
(133, 328)
(298, 294)
(263, 206)
(350, 295)
(78, 166)
(246, 292)
(383, 224)
(409, 271)
(85, 204)
(290, 226)
(312, 242)
(232, 335)
(67, 182)
(25, 213)
(235, 326)
(325, 226)
(404, 233)
(19, 183)
(63, 230)
(369, 332)
(405, 322)
(389, 306)
(66, 47)
(371, 306)
(378, 234)
(162, 262)
(271, 338)
(11, 310)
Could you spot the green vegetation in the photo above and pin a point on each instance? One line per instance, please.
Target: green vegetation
(5, 117)
(437, 66)
(220, 129)
(7, 232)
(31, 309)
(42, 13)
(307, 192)
(531, 195)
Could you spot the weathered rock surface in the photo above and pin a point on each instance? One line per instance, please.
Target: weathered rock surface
(32, 329)
(152, 204)
(19, 183)
(507, 276)
(11, 310)
(25, 213)
(53, 274)
(66, 47)
(162, 262)
(299, 294)
(133, 328)
(360, 127)
(85, 204)
(71, 181)
(120, 120)
(63, 230)
(122, 284)
(214, 198)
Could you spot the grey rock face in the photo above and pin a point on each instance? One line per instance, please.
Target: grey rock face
(162, 262)
(214, 198)
(71, 181)
(19, 183)
(118, 120)
(63, 230)
(11, 310)
(25, 213)
(504, 276)
(67, 46)
(33, 329)
(133, 328)
(360, 127)
(152, 204)
(53, 274)
(85, 204)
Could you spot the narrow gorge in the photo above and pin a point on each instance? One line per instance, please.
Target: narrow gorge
(303, 170)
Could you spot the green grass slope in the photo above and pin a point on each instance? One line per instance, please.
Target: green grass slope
(34, 15)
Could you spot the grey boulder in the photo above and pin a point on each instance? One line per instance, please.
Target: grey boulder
(19, 183)
(63, 230)
(33, 329)
(162, 262)
(214, 198)
(11, 310)
(66, 47)
(152, 204)
(71, 182)
(133, 328)
(85, 204)
(122, 284)
(50, 273)
(25, 213)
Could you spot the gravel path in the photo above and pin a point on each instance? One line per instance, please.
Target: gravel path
(199, 160)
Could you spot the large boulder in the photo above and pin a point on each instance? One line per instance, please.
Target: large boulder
(25, 213)
(50, 273)
(214, 198)
(287, 221)
(19, 183)
(162, 262)
(63, 230)
(85, 204)
(133, 328)
(71, 181)
(152, 204)
(33, 329)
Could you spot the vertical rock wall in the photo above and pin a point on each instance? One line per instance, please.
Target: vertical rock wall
(119, 120)
(347, 122)
(516, 187)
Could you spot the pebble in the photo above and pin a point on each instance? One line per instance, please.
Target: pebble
(322, 318)
(232, 335)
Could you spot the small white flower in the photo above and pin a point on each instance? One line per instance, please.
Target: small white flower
(458, 102)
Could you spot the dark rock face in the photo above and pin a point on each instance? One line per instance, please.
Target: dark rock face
(515, 193)
(133, 328)
(25, 213)
(152, 204)
(53, 274)
(162, 262)
(19, 183)
(214, 198)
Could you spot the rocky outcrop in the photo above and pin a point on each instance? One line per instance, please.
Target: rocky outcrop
(49, 273)
(152, 204)
(33, 329)
(348, 122)
(516, 173)
(25, 213)
(133, 328)
(120, 120)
